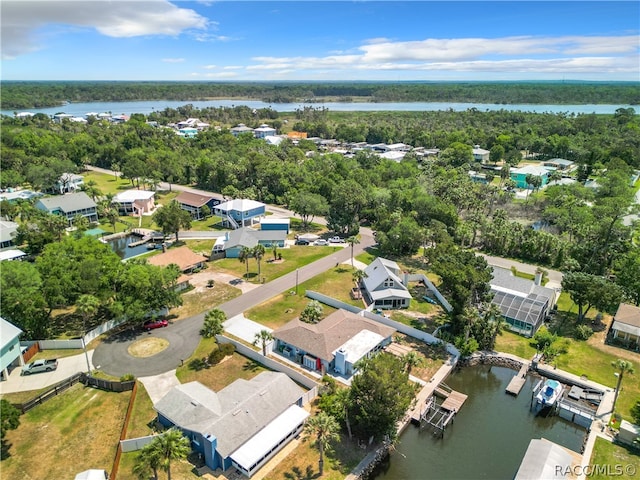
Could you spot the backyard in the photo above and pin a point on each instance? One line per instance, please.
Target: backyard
(71, 428)
(615, 456)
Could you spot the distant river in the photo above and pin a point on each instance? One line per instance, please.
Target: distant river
(148, 106)
(488, 438)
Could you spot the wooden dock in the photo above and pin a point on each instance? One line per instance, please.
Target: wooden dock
(518, 381)
(439, 416)
(454, 401)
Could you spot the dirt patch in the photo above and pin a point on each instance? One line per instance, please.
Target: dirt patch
(200, 281)
(147, 347)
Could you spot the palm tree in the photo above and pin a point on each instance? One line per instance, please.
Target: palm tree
(412, 359)
(469, 317)
(213, 321)
(244, 256)
(496, 320)
(172, 445)
(622, 367)
(343, 398)
(148, 460)
(86, 306)
(274, 249)
(353, 240)
(91, 189)
(324, 428)
(258, 252)
(358, 276)
(263, 337)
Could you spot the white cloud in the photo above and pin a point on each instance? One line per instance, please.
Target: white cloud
(173, 60)
(21, 20)
(221, 75)
(209, 67)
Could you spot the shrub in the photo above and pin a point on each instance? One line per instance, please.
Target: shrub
(227, 348)
(583, 332)
(127, 377)
(215, 356)
(635, 413)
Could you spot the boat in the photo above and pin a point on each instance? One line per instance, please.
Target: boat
(549, 393)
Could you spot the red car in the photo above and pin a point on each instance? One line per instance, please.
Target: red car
(151, 324)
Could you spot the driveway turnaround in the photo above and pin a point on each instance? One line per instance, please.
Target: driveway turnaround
(67, 367)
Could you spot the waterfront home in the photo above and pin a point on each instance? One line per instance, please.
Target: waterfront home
(625, 328)
(10, 353)
(134, 202)
(524, 303)
(383, 285)
(8, 232)
(243, 425)
(235, 240)
(186, 260)
(334, 344)
(240, 212)
(69, 206)
(194, 203)
(519, 175)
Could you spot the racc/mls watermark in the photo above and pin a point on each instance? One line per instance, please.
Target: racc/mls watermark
(615, 470)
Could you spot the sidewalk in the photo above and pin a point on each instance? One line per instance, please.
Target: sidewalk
(67, 367)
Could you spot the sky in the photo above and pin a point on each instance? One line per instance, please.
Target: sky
(320, 41)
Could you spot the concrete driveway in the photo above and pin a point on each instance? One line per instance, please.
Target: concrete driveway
(67, 367)
(241, 327)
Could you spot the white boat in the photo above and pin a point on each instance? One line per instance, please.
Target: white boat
(549, 393)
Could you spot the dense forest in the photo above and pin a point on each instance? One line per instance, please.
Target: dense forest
(416, 206)
(25, 95)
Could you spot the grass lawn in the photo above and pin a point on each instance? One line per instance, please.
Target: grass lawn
(22, 397)
(200, 246)
(143, 416)
(302, 463)
(607, 453)
(515, 344)
(218, 376)
(107, 183)
(180, 469)
(209, 223)
(72, 432)
(335, 282)
(292, 258)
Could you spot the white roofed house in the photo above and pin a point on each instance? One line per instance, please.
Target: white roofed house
(240, 129)
(264, 130)
(134, 202)
(480, 154)
(383, 284)
(69, 182)
(8, 233)
(243, 425)
(240, 212)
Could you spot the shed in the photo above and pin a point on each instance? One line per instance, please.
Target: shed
(269, 223)
(628, 432)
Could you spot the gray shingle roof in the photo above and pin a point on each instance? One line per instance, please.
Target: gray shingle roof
(234, 414)
(70, 202)
(248, 237)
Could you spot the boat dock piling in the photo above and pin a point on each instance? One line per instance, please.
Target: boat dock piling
(439, 416)
(518, 381)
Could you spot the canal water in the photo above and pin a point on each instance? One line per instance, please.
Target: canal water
(488, 437)
(120, 245)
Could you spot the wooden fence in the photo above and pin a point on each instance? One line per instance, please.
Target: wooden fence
(123, 432)
(57, 389)
(110, 385)
(30, 352)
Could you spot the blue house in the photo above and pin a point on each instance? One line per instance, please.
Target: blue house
(69, 206)
(240, 212)
(9, 346)
(194, 202)
(519, 175)
(248, 237)
(243, 425)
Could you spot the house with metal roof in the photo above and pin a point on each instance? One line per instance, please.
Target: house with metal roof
(243, 425)
(240, 129)
(235, 240)
(334, 344)
(264, 131)
(69, 206)
(9, 346)
(559, 163)
(480, 154)
(625, 328)
(384, 286)
(194, 202)
(524, 303)
(134, 202)
(546, 460)
(8, 233)
(519, 175)
(240, 212)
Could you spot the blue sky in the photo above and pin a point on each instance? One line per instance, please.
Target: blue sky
(309, 40)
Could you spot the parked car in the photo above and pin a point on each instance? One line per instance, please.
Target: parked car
(321, 242)
(336, 239)
(303, 241)
(151, 324)
(40, 366)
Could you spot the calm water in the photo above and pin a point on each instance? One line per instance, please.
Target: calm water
(149, 106)
(120, 246)
(489, 435)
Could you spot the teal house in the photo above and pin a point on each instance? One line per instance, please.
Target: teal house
(9, 347)
(519, 175)
(247, 237)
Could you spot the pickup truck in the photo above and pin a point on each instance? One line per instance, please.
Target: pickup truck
(40, 366)
(336, 239)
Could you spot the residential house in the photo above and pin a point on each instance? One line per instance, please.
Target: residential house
(270, 223)
(68, 182)
(558, 164)
(70, 205)
(9, 347)
(546, 460)
(194, 202)
(240, 212)
(12, 195)
(186, 260)
(134, 202)
(188, 132)
(12, 254)
(240, 129)
(243, 425)
(8, 232)
(524, 303)
(519, 175)
(383, 285)
(480, 154)
(395, 155)
(264, 130)
(334, 344)
(235, 240)
(625, 328)
(193, 123)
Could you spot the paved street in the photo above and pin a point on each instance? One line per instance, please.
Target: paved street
(555, 277)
